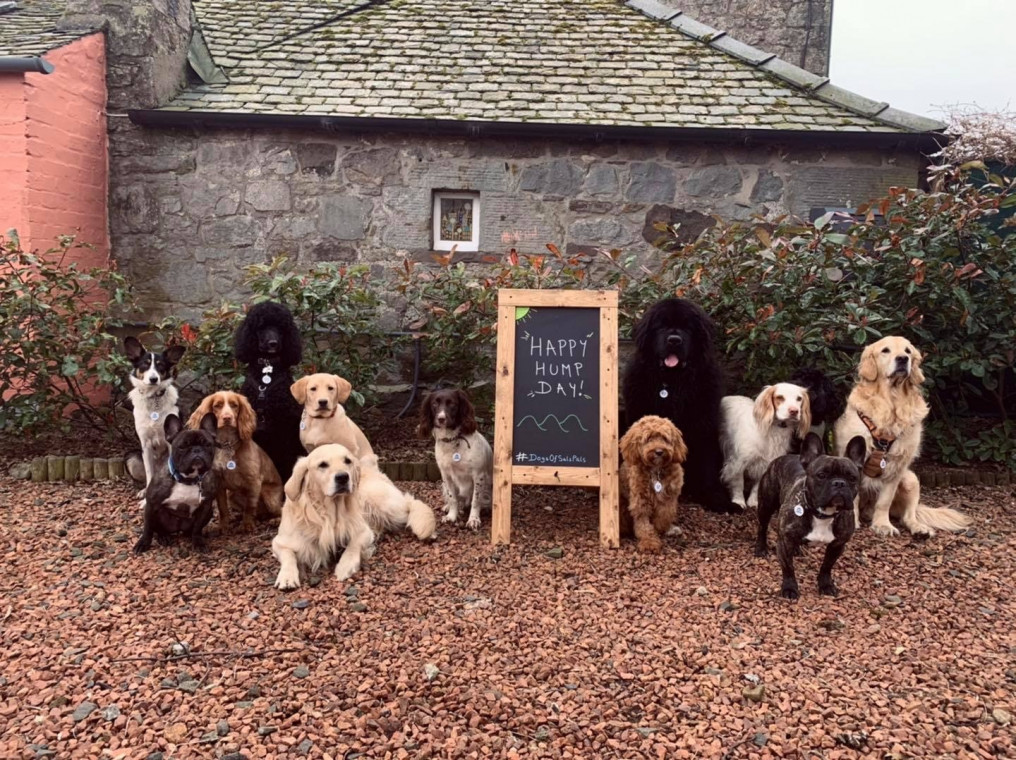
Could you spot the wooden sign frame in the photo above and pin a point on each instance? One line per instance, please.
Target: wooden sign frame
(506, 472)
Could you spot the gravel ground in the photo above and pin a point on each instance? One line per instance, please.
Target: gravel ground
(457, 649)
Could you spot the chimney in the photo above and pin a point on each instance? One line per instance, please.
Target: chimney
(146, 46)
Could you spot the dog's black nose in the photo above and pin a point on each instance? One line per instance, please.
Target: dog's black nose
(902, 360)
(674, 340)
(153, 381)
(341, 478)
(659, 452)
(322, 402)
(839, 483)
(273, 345)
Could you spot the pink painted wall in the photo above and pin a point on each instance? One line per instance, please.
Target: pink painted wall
(65, 140)
(13, 155)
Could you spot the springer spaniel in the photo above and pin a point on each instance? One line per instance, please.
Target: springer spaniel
(463, 454)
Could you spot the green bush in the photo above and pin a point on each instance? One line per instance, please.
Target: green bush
(58, 351)
(335, 308)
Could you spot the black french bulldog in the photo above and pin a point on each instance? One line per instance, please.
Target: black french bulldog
(814, 495)
(181, 496)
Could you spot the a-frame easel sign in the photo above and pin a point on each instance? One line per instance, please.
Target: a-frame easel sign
(556, 399)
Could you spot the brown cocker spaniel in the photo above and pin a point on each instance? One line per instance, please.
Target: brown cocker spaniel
(651, 480)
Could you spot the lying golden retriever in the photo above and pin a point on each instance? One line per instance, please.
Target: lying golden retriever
(887, 409)
(323, 514)
(324, 418)
(248, 480)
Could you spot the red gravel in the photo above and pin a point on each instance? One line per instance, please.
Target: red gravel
(598, 654)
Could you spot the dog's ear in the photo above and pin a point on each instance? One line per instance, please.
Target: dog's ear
(299, 390)
(811, 449)
(857, 451)
(679, 446)
(342, 388)
(174, 354)
(294, 486)
(209, 424)
(205, 407)
(642, 334)
(172, 426)
(246, 420)
(765, 410)
(916, 373)
(630, 445)
(133, 348)
(804, 425)
(867, 370)
(467, 414)
(425, 426)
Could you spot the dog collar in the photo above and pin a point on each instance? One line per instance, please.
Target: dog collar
(179, 478)
(804, 508)
(883, 443)
(453, 439)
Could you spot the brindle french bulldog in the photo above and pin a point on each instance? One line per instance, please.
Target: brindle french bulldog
(181, 496)
(814, 494)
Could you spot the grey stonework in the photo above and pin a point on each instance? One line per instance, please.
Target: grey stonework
(190, 208)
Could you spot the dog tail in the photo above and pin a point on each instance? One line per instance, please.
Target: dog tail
(942, 518)
(421, 519)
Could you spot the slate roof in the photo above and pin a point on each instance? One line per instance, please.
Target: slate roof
(30, 29)
(593, 62)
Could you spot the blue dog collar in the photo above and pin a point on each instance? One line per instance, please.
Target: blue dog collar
(179, 478)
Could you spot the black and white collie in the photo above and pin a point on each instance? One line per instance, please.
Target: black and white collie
(154, 397)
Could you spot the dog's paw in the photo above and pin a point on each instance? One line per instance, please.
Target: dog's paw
(790, 591)
(761, 550)
(287, 580)
(674, 530)
(450, 517)
(650, 544)
(828, 588)
(885, 529)
(752, 501)
(346, 569)
(473, 523)
(141, 547)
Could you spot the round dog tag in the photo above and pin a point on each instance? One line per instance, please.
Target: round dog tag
(657, 486)
(154, 415)
(799, 510)
(456, 457)
(230, 465)
(303, 426)
(882, 464)
(664, 393)
(266, 379)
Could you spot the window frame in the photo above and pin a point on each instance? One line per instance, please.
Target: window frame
(467, 246)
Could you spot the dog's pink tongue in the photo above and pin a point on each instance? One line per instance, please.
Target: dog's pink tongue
(670, 361)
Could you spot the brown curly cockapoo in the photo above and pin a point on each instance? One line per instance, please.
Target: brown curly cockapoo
(651, 479)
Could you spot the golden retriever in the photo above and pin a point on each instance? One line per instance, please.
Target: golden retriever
(324, 418)
(323, 513)
(248, 480)
(887, 409)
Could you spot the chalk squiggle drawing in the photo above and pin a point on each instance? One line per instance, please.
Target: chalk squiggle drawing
(560, 423)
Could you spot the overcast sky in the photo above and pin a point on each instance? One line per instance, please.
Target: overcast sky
(921, 55)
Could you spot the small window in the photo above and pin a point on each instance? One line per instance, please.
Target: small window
(456, 221)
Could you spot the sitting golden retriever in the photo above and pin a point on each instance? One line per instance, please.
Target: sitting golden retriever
(324, 418)
(887, 409)
(323, 513)
(651, 478)
(248, 480)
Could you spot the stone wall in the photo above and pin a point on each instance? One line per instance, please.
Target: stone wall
(798, 31)
(189, 208)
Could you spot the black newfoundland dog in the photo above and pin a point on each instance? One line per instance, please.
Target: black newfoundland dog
(268, 342)
(675, 373)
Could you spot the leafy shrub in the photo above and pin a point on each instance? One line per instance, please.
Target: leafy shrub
(924, 265)
(57, 344)
(335, 308)
(453, 307)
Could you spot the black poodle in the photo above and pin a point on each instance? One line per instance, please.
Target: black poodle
(675, 373)
(827, 403)
(268, 342)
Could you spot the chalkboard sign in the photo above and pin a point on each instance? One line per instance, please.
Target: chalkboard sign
(556, 402)
(557, 393)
